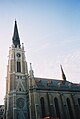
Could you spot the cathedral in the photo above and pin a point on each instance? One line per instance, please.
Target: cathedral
(30, 97)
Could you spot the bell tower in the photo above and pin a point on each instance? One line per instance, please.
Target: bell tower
(16, 81)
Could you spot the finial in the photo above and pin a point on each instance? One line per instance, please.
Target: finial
(31, 71)
(15, 20)
(23, 46)
(30, 66)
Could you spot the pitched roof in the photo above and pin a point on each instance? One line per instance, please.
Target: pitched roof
(54, 84)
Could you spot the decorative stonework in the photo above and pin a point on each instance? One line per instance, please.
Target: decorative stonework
(20, 103)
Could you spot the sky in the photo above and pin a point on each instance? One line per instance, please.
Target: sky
(50, 31)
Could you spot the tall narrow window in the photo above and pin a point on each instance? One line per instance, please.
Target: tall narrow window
(79, 101)
(57, 107)
(70, 109)
(42, 107)
(18, 66)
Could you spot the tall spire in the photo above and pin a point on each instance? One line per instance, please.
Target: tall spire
(16, 39)
(63, 75)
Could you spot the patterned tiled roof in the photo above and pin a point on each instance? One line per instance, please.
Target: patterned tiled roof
(54, 84)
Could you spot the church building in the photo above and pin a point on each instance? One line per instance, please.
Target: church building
(30, 97)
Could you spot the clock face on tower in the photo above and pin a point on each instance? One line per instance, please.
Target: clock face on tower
(20, 103)
(18, 55)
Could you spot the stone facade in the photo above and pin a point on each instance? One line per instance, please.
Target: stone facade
(55, 101)
(29, 97)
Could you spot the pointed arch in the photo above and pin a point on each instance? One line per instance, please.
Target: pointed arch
(70, 108)
(57, 107)
(42, 106)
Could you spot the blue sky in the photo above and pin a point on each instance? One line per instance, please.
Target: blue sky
(50, 31)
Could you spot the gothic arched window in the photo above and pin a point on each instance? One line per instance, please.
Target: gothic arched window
(57, 107)
(70, 108)
(18, 66)
(42, 106)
